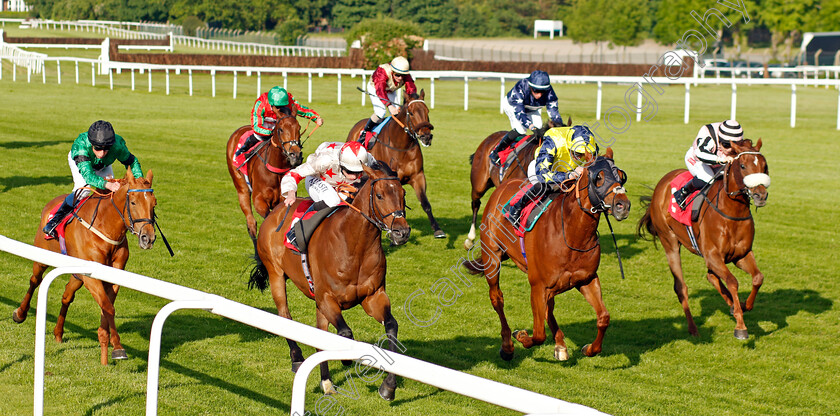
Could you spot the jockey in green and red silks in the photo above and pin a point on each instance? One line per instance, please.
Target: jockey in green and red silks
(90, 160)
(268, 108)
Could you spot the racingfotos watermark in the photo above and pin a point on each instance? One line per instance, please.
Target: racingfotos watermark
(693, 43)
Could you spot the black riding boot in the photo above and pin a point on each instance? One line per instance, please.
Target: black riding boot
(534, 193)
(249, 143)
(506, 141)
(363, 136)
(63, 210)
(681, 195)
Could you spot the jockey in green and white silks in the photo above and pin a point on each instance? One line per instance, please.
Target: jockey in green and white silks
(561, 156)
(90, 160)
(709, 151)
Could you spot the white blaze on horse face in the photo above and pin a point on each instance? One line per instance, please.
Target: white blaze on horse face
(755, 179)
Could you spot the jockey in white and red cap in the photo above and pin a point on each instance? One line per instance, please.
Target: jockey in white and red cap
(331, 166)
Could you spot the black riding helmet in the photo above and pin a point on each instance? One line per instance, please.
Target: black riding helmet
(101, 134)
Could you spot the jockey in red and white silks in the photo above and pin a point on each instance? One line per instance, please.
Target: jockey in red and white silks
(384, 83)
(710, 150)
(331, 166)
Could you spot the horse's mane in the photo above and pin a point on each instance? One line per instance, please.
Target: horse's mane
(285, 110)
(380, 166)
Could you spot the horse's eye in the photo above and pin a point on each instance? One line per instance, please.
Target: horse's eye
(379, 196)
(743, 166)
(133, 203)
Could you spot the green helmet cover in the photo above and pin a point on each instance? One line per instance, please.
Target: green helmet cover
(278, 97)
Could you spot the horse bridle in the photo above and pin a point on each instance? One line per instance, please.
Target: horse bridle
(744, 190)
(410, 131)
(595, 199)
(291, 143)
(130, 221)
(378, 219)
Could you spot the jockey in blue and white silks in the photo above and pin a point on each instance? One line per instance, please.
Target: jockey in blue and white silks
(523, 105)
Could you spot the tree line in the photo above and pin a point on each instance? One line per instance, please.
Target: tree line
(617, 22)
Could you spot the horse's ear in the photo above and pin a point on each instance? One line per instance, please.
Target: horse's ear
(368, 171)
(422, 94)
(149, 176)
(129, 174)
(758, 145)
(569, 121)
(609, 152)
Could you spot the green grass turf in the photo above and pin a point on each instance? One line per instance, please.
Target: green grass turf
(210, 365)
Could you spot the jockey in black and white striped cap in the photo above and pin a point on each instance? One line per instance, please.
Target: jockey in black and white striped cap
(729, 131)
(711, 149)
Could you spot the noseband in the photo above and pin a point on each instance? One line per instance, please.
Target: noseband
(598, 193)
(378, 219)
(128, 220)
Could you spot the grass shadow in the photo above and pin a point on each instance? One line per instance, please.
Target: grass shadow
(11, 182)
(26, 144)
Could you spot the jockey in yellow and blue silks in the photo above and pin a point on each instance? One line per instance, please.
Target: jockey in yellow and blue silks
(522, 106)
(561, 156)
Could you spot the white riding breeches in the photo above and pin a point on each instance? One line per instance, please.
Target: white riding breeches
(697, 168)
(321, 191)
(80, 182)
(380, 109)
(535, 116)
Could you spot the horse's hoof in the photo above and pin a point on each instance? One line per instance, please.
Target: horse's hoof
(741, 334)
(585, 350)
(468, 244)
(328, 387)
(560, 353)
(119, 354)
(386, 393)
(440, 234)
(507, 356)
(17, 318)
(296, 365)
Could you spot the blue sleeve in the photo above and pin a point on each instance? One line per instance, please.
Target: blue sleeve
(516, 97)
(553, 108)
(545, 159)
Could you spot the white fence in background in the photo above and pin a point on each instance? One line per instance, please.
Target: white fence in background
(37, 63)
(333, 347)
(256, 48)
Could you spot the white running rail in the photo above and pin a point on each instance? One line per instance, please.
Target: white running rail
(334, 347)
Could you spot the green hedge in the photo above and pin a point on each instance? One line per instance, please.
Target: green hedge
(383, 38)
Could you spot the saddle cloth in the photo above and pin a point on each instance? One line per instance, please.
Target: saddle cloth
(243, 157)
(506, 157)
(304, 223)
(684, 216)
(532, 212)
(376, 130)
(59, 230)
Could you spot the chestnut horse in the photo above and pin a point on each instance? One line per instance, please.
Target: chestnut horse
(272, 161)
(346, 260)
(562, 251)
(484, 175)
(724, 230)
(104, 216)
(398, 144)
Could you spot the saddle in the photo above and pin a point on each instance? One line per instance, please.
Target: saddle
(59, 230)
(691, 213)
(509, 156)
(241, 161)
(306, 219)
(531, 213)
(376, 130)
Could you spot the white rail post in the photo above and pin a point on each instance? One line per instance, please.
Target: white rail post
(285, 80)
(466, 93)
(132, 79)
(838, 109)
(687, 101)
(792, 105)
(92, 74)
(734, 101)
(432, 83)
(149, 71)
(43, 72)
(502, 96)
(234, 85)
(153, 367)
(191, 82)
(167, 81)
(58, 72)
(639, 102)
(309, 88)
(598, 101)
(41, 328)
(213, 81)
(259, 83)
(77, 72)
(111, 78)
(339, 89)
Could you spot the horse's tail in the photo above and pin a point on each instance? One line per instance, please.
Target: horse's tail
(472, 156)
(646, 223)
(259, 275)
(473, 267)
